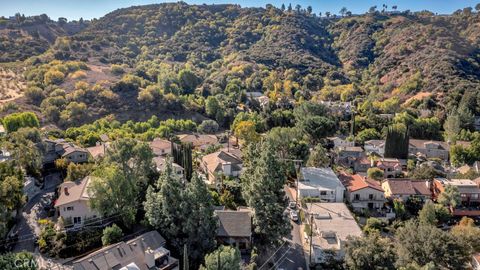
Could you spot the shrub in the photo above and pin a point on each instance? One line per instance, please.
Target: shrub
(117, 70)
(53, 77)
(112, 234)
(208, 126)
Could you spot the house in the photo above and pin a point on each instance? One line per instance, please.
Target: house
(468, 189)
(97, 151)
(347, 155)
(55, 149)
(375, 146)
(340, 141)
(235, 228)
(404, 189)
(73, 202)
(320, 183)
(220, 163)
(391, 167)
(145, 252)
(429, 149)
(333, 224)
(2, 130)
(160, 147)
(362, 193)
(199, 141)
(362, 164)
(161, 165)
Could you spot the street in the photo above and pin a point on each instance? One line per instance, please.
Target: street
(291, 255)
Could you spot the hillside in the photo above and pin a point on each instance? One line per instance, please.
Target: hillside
(22, 37)
(411, 60)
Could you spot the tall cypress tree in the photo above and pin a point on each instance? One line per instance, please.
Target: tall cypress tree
(397, 142)
(264, 193)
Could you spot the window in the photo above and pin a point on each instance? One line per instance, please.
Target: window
(357, 197)
(370, 196)
(474, 196)
(323, 193)
(70, 208)
(77, 220)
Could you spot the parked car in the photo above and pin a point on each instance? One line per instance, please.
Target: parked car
(294, 215)
(292, 205)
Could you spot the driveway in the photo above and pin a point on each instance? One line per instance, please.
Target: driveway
(27, 227)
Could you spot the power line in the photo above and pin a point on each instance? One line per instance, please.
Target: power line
(284, 241)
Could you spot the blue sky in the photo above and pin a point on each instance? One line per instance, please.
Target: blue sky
(74, 9)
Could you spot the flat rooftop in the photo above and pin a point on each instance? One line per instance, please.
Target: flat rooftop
(334, 223)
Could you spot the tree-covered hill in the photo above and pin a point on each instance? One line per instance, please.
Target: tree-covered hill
(384, 60)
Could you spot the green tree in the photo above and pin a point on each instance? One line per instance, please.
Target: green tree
(318, 157)
(263, 191)
(423, 244)
(468, 234)
(212, 106)
(113, 193)
(367, 134)
(397, 142)
(375, 173)
(184, 216)
(15, 121)
(111, 234)
(224, 258)
(427, 216)
(452, 126)
(370, 252)
(373, 225)
(188, 81)
(450, 197)
(18, 261)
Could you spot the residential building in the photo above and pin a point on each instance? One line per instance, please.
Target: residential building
(220, 163)
(429, 149)
(391, 167)
(2, 130)
(235, 228)
(161, 165)
(344, 152)
(145, 252)
(375, 146)
(468, 189)
(199, 141)
(362, 164)
(362, 193)
(55, 149)
(320, 183)
(72, 203)
(160, 147)
(97, 151)
(333, 224)
(404, 189)
(340, 141)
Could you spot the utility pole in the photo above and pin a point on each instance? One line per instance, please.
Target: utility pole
(298, 164)
(228, 140)
(311, 237)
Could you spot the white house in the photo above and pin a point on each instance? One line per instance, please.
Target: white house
(72, 203)
(333, 224)
(221, 163)
(340, 142)
(363, 193)
(161, 165)
(320, 183)
(375, 146)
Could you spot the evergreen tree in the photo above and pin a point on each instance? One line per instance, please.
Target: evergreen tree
(263, 192)
(396, 143)
(224, 258)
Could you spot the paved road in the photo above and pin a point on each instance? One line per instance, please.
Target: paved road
(291, 256)
(27, 227)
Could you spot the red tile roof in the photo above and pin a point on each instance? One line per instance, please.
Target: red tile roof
(356, 182)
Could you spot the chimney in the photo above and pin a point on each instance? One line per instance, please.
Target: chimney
(149, 258)
(65, 190)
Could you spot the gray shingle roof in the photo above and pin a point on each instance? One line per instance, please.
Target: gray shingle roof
(234, 223)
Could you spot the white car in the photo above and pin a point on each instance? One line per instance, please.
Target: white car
(292, 205)
(294, 215)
